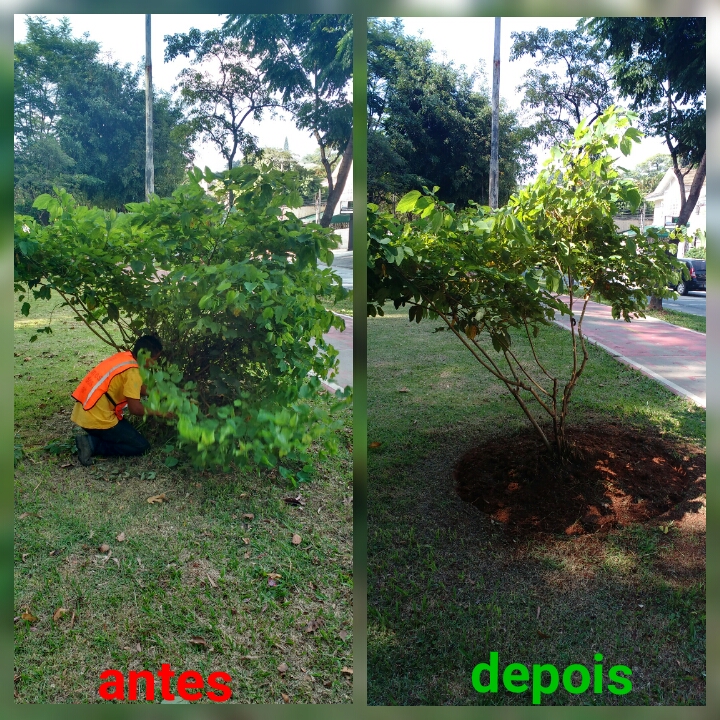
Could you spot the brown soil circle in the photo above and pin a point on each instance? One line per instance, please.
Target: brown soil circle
(619, 475)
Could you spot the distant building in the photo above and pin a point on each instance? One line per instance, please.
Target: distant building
(666, 197)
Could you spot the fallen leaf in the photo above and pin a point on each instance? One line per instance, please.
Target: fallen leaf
(403, 390)
(347, 671)
(120, 537)
(242, 495)
(212, 582)
(542, 635)
(286, 698)
(28, 616)
(343, 634)
(104, 548)
(27, 359)
(249, 657)
(24, 556)
(374, 444)
(72, 619)
(246, 555)
(274, 576)
(537, 617)
(296, 539)
(59, 613)
(157, 498)
(67, 465)
(327, 683)
(246, 541)
(248, 516)
(282, 668)
(53, 553)
(294, 500)
(196, 640)
(116, 561)
(313, 625)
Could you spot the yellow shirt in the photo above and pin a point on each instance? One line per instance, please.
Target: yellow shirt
(102, 416)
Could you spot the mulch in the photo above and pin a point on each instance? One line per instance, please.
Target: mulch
(617, 476)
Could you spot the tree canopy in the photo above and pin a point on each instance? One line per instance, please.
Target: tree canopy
(80, 123)
(307, 59)
(571, 80)
(659, 63)
(221, 90)
(428, 126)
(308, 180)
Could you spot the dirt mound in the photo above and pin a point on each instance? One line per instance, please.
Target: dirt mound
(618, 476)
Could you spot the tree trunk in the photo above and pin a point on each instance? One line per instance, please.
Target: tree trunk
(336, 192)
(655, 303)
(694, 194)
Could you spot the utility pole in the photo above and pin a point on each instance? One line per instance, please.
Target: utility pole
(149, 163)
(495, 132)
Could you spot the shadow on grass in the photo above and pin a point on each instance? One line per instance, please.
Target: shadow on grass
(447, 586)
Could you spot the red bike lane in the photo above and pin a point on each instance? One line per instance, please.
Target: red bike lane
(672, 355)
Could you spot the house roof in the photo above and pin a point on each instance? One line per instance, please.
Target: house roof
(669, 179)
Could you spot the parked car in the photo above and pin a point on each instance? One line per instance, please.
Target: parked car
(692, 279)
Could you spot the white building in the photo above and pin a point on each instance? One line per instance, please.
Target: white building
(666, 197)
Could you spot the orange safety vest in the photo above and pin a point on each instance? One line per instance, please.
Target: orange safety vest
(96, 383)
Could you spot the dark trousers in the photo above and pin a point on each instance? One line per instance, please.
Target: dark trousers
(122, 439)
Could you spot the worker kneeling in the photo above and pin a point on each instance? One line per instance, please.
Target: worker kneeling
(101, 397)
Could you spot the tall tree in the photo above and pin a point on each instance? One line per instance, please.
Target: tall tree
(80, 121)
(308, 60)
(571, 80)
(659, 63)
(308, 180)
(222, 90)
(650, 172)
(428, 126)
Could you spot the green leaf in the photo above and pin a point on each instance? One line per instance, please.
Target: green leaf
(436, 222)
(25, 309)
(171, 461)
(137, 266)
(407, 202)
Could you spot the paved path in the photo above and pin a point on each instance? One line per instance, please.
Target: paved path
(343, 341)
(672, 355)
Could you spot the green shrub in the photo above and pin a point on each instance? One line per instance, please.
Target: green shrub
(231, 291)
(483, 272)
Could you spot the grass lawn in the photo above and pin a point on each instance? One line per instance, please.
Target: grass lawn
(342, 307)
(447, 586)
(674, 317)
(682, 319)
(213, 579)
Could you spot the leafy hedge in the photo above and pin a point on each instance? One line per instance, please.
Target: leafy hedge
(231, 291)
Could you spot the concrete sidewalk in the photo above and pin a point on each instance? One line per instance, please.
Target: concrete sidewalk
(672, 355)
(343, 343)
(343, 266)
